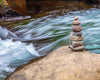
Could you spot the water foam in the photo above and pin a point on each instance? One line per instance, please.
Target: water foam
(13, 54)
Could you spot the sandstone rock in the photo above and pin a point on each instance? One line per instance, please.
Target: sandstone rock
(17, 5)
(62, 64)
(76, 38)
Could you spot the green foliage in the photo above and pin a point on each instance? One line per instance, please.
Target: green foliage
(1, 1)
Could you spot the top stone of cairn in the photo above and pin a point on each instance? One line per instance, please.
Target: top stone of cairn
(76, 25)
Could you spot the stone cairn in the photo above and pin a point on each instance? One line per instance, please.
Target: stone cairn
(76, 36)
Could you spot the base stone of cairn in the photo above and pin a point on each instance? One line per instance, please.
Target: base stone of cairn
(76, 36)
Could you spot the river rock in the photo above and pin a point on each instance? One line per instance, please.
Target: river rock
(76, 22)
(76, 28)
(77, 48)
(76, 38)
(61, 64)
(77, 43)
(76, 18)
(76, 33)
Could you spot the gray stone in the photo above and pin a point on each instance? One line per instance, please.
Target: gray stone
(76, 38)
(77, 43)
(79, 48)
(76, 33)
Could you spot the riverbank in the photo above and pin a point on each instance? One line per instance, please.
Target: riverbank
(54, 8)
(61, 64)
(43, 8)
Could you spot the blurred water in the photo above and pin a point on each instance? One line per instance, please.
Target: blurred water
(51, 32)
(13, 54)
(42, 35)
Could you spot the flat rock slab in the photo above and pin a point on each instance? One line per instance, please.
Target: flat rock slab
(62, 64)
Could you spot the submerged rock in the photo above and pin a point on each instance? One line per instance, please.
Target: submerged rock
(61, 64)
(4, 33)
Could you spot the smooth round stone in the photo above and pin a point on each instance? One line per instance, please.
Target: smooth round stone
(76, 38)
(76, 28)
(76, 18)
(77, 43)
(80, 48)
(76, 33)
(76, 22)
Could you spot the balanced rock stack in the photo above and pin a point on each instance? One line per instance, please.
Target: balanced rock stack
(76, 36)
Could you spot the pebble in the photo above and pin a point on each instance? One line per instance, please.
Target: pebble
(76, 22)
(76, 38)
(76, 34)
(80, 48)
(76, 28)
(77, 43)
(76, 18)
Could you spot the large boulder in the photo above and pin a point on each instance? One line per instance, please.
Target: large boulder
(27, 7)
(7, 12)
(62, 64)
(17, 5)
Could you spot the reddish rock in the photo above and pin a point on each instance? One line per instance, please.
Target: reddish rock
(76, 18)
(76, 22)
(17, 5)
(76, 28)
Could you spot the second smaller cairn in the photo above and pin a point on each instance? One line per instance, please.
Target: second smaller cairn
(76, 36)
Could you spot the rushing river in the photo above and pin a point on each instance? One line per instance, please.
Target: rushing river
(42, 35)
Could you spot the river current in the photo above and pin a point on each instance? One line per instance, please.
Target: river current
(42, 35)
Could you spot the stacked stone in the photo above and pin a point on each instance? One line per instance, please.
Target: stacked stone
(76, 36)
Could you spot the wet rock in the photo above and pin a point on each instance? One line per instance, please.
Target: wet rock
(3, 33)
